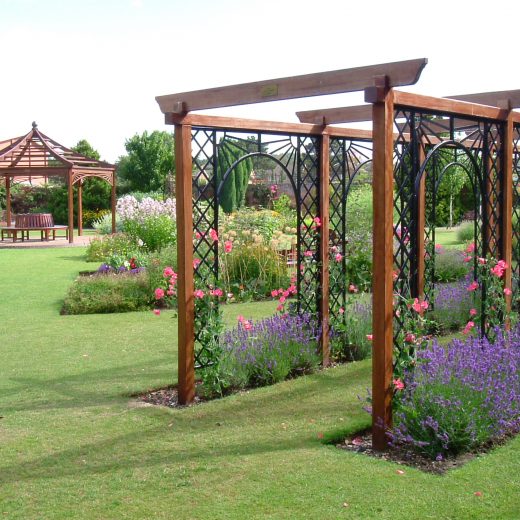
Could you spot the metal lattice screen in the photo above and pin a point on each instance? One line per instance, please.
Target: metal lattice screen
(429, 146)
(350, 166)
(290, 158)
(516, 216)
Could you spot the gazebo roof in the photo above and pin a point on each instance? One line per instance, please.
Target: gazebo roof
(37, 155)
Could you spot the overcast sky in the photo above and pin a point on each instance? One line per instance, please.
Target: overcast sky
(91, 69)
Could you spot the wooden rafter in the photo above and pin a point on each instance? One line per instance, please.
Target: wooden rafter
(318, 84)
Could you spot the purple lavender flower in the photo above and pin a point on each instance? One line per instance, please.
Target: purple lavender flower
(460, 395)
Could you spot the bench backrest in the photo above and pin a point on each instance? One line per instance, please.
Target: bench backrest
(34, 220)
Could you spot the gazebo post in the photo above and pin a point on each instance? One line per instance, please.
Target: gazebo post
(80, 208)
(8, 200)
(70, 199)
(113, 201)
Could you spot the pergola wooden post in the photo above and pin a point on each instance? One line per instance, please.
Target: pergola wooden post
(382, 282)
(80, 207)
(186, 304)
(507, 206)
(324, 246)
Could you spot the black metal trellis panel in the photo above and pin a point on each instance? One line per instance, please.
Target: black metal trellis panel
(516, 216)
(348, 160)
(429, 145)
(297, 156)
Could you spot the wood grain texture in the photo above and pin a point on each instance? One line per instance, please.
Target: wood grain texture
(382, 281)
(495, 99)
(318, 84)
(70, 201)
(324, 247)
(448, 106)
(330, 116)
(80, 208)
(186, 305)
(507, 205)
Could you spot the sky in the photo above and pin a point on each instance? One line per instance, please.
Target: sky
(91, 69)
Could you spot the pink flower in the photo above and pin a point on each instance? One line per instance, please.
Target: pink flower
(286, 294)
(398, 384)
(395, 275)
(274, 293)
(213, 235)
(473, 286)
(198, 236)
(468, 327)
(168, 271)
(352, 288)
(157, 312)
(282, 299)
(481, 261)
(317, 221)
(170, 292)
(240, 318)
(470, 248)
(419, 306)
(273, 188)
(199, 293)
(159, 293)
(338, 257)
(196, 262)
(409, 338)
(246, 324)
(438, 247)
(292, 289)
(280, 308)
(507, 291)
(341, 310)
(173, 280)
(228, 246)
(308, 253)
(370, 337)
(473, 312)
(216, 292)
(467, 259)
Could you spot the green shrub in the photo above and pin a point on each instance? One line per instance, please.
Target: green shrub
(155, 264)
(248, 221)
(466, 231)
(450, 266)
(102, 248)
(91, 216)
(154, 232)
(107, 293)
(254, 270)
(103, 225)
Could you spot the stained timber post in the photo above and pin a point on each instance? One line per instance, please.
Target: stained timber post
(186, 306)
(324, 246)
(382, 282)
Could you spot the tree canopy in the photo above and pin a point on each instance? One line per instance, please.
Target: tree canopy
(150, 158)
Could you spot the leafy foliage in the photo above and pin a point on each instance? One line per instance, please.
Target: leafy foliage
(150, 158)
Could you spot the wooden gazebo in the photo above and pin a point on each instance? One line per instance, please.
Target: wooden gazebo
(35, 155)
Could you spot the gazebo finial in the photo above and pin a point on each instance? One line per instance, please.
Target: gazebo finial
(34, 124)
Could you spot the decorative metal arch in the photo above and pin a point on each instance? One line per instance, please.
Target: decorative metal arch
(298, 157)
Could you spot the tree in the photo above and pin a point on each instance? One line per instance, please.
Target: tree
(233, 192)
(83, 147)
(150, 158)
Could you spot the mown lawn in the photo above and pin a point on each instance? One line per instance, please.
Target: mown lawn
(74, 444)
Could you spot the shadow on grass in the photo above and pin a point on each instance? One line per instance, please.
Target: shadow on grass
(210, 431)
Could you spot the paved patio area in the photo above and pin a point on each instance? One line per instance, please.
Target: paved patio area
(37, 243)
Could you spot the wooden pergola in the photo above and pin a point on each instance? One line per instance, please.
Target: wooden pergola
(493, 111)
(36, 155)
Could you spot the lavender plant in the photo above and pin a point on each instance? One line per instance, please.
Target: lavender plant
(460, 396)
(264, 353)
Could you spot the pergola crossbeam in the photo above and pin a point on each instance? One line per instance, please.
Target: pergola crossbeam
(318, 84)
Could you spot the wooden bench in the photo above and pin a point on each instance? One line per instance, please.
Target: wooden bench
(24, 223)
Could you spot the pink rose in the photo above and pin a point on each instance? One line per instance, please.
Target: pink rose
(196, 262)
(507, 291)
(168, 271)
(338, 257)
(317, 221)
(370, 337)
(352, 288)
(473, 286)
(159, 293)
(473, 312)
(341, 310)
(398, 384)
(213, 235)
(157, 312)
(199, 293)
(228, 246)
(274, 293)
